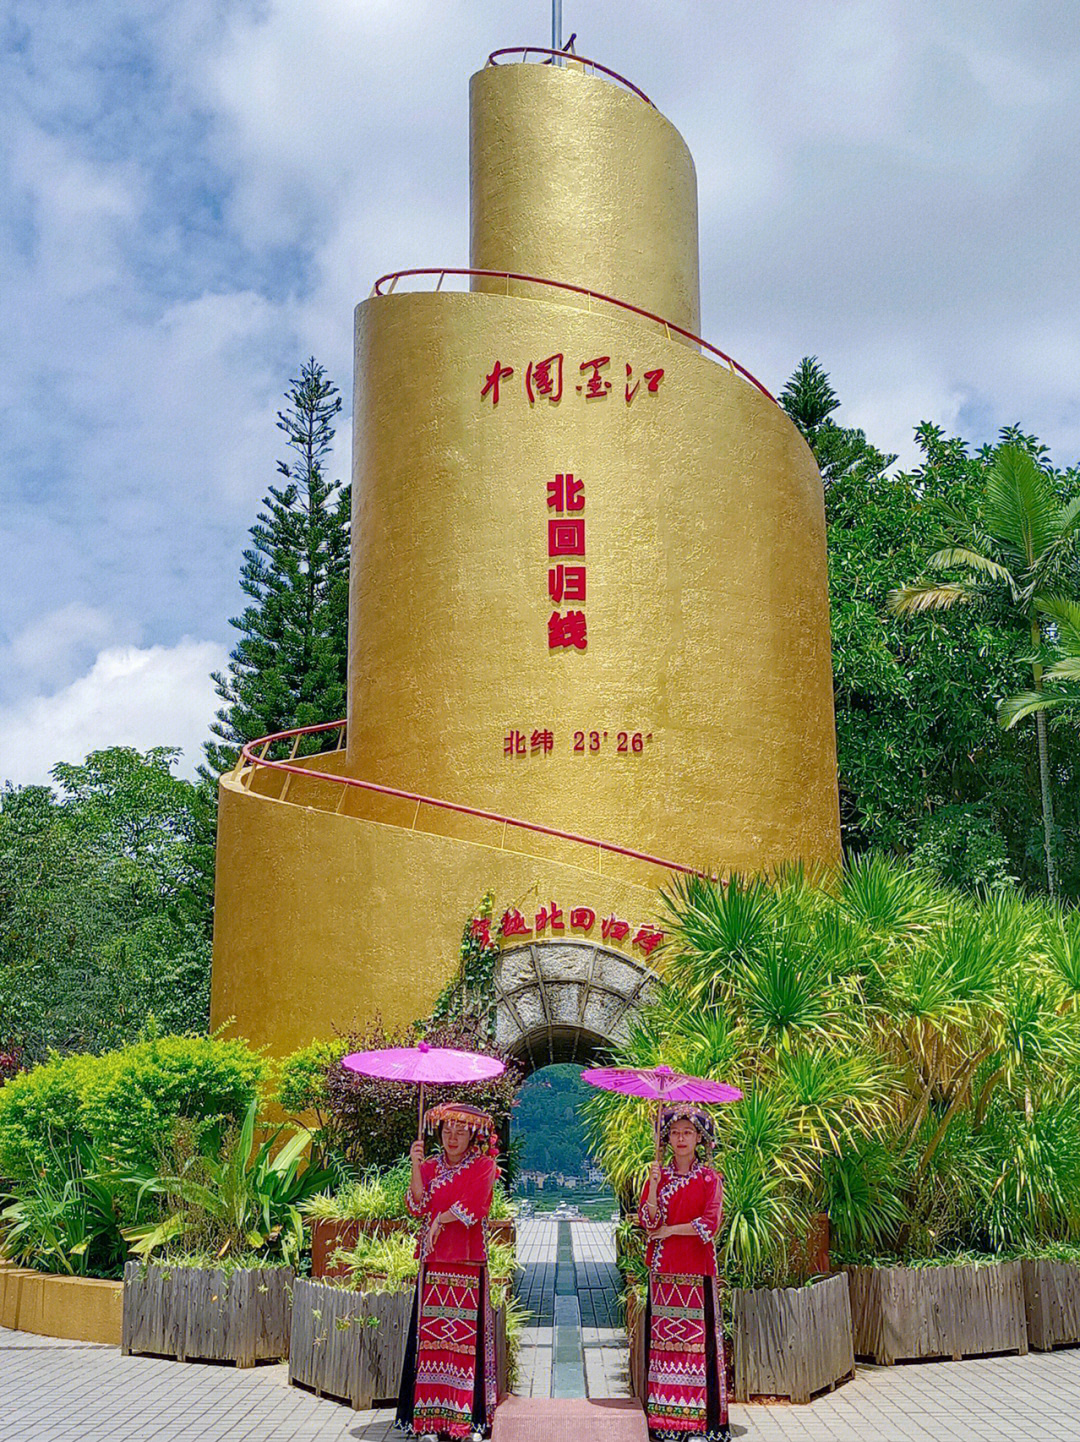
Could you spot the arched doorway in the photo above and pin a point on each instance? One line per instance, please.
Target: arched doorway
(561, 1001)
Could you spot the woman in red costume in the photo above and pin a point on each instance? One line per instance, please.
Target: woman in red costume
(686, 1391)
(448, 1379)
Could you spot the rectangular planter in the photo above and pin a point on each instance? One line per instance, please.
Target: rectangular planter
(351, 1345)
(81, 1309)
(1051, 1303)
(328, 1237)
(792, 1341)
(908, 1313)
(213, 1316)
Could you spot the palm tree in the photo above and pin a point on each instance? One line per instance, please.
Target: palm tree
(1064, 671)
(1017, 540)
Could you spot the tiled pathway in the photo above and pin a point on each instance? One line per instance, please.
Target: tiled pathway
(70, 1392)
(575, 1345)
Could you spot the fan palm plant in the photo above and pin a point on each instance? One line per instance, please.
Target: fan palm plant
(910, 1058)
(1014, 544)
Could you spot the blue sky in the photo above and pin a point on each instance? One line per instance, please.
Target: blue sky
(193, 196)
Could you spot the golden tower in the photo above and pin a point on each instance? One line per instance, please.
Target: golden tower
(588, 591)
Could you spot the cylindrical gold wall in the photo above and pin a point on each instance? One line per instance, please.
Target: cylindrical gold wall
(575, 179)
(707, 609)
(706, 603)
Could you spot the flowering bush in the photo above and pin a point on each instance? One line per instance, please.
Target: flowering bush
(11, 1061)
(363, 1122)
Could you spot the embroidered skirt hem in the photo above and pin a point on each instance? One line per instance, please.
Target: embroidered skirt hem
(448, 1384)
(685, 1383)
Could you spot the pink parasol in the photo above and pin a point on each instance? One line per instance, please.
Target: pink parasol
(659, 1084)
(426, 1064)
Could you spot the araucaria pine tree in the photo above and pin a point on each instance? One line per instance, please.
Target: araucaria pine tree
(289, 667)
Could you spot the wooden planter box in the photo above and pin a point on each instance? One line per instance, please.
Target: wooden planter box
(792, 1341)
(330, 1237)
(1051, 1303)
(351, 1345)
(504, 1230)
(909, 1313)
(207, 1316)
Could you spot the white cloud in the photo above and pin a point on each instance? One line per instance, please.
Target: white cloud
(48, 651)
(131, 696)
(193, 197)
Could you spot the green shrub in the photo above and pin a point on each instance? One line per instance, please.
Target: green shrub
(301, 1079)
(909, 1054)
(125, 1104)
(242, 1198)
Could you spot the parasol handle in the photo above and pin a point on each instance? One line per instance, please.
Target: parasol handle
(420, 1130)
(656, 1129)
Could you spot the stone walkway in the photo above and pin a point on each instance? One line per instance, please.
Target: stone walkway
(76, 1392)
(575, 1345)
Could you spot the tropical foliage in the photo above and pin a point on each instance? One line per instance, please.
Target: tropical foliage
(924, 767)
(104, 904)
(1060, 690)
(910, 1057)
(70, 1217)
(1010, 546)
(238, 1198)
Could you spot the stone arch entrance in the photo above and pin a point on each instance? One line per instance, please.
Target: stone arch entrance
(565, 1001)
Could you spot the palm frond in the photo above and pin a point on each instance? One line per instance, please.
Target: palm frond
(1065, 614)
(1026, 703)
(911, 600)
(1070, 516)
(1021, 508)
(1067, 669)
(962, 556)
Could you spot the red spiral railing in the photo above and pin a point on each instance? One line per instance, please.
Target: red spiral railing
(524, 51)
(250, 754)
(391, 279)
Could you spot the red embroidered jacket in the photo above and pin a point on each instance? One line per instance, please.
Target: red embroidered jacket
(465, 1191)
(698, 1198)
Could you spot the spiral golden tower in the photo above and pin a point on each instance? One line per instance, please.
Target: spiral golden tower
(588, 592)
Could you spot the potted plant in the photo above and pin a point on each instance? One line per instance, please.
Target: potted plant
(371, 1206)
(939, 1309)
(1051, 1281)
(219, 1285)
(349, 1333)
(374, 1206)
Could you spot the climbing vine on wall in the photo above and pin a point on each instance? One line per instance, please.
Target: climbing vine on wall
(471, 990)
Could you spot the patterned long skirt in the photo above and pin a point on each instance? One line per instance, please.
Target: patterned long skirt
(448, 1379)
(686, 1385)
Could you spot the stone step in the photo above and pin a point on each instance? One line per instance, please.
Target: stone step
(569, 1419)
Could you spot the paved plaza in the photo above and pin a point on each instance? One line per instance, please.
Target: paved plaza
(53, 1391)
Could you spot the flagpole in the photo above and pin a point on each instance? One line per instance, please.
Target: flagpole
(556, 30)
